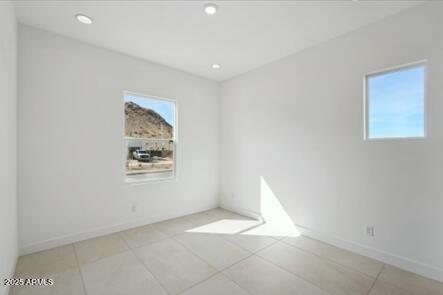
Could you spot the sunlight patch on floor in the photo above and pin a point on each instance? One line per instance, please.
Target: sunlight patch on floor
(277, 222)
(270, 230)
(225, 226)
(274, 214)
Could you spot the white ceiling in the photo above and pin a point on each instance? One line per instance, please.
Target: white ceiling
(243, 35)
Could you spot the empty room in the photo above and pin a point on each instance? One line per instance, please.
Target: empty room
(221, 147)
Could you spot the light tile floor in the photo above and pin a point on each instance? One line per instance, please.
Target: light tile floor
(212, 253)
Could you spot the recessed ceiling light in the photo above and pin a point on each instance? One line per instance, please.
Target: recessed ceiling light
(210, 8)
(216, 66)
(84, 19)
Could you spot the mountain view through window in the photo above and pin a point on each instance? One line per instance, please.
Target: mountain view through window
(149, 138)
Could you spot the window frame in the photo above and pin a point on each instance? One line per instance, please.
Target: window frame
(366, 100)
(174, 177)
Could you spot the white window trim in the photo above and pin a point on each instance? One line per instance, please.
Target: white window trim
(421, 63)
(174, 178)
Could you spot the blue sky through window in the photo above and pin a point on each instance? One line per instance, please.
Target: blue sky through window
(396, 104)
(163, 107)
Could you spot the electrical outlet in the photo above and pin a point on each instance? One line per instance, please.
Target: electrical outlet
(370, 231)
(134, 208)
(232, 196)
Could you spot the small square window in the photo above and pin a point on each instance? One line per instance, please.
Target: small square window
(395, 103)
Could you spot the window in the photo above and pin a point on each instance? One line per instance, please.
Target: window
(395, 103)
(150, 129)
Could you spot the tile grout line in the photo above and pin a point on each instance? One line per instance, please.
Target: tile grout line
(159, 229)
(265, 247)
(145, 266)
(252, 253)
(197, 283)
(376, 279)
(281, 240)
(181, 232)
(206, 262)
(247, 291)
(251, 228)
(293, 274)
(222, 236)
(146, 243)
(330, 260)
(169, 235)
(79, 269)
(173, 237)
(216, 273)
(221, 272)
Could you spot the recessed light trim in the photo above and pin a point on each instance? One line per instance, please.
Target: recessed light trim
(84, 19)
(216, 66)
(210, 8)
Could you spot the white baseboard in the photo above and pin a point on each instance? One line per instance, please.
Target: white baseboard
(242, 211)
(100, 231)
(377, 254)
(407, 264)
(383, 256)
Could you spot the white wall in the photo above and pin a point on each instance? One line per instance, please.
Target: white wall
(8, 155)
(71, 183)
(298, 123)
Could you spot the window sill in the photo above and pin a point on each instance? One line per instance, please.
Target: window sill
(421, 138)
(138, 179)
